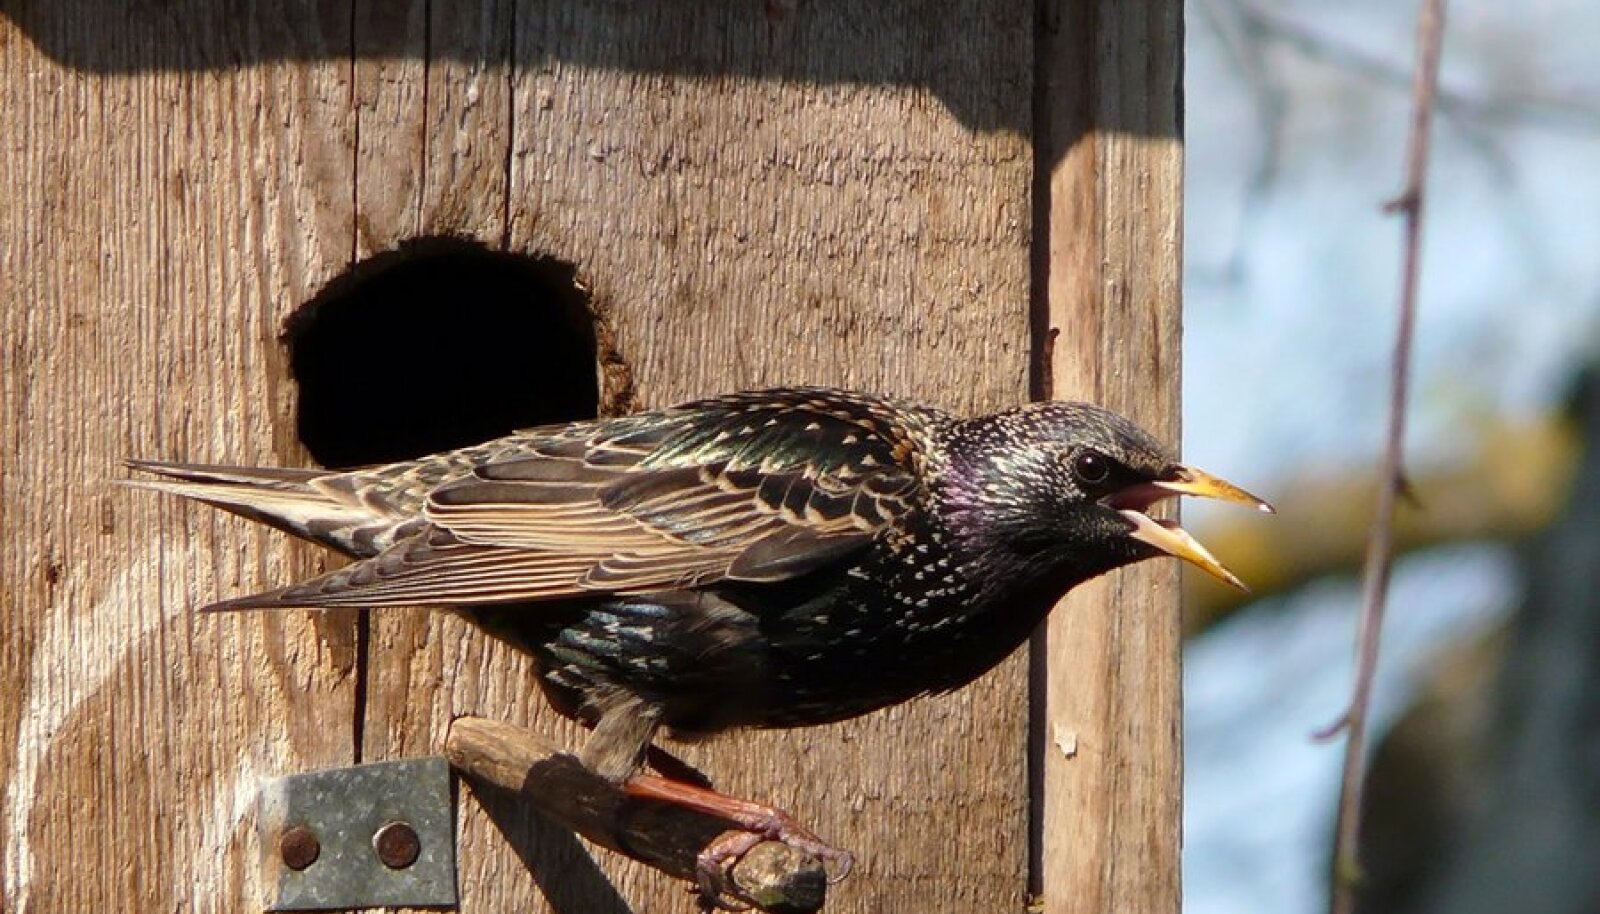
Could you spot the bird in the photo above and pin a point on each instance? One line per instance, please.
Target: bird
(766, 559)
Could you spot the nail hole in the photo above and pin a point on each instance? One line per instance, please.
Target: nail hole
(439, 344)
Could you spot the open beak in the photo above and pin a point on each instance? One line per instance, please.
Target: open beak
(1166, 535)
(1190, 481)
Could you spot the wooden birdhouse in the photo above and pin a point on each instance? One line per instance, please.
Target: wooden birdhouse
(329, 232)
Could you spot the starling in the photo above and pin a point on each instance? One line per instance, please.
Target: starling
(778, 558)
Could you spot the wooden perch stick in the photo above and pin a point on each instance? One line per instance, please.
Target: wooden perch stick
(771, 876)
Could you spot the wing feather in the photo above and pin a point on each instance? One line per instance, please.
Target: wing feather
(431, 568)
(746, 488)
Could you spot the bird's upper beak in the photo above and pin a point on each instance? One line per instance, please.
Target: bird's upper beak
(1166, 535)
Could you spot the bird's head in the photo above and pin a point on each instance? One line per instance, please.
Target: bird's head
(1060, 491)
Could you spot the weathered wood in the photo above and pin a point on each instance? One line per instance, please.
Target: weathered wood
(434, 121)
(738, 230)
(1108, 734)
(552, 782)
(755, 193)
(154, 230)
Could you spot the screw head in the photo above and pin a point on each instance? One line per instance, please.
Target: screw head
(397, 845)
(299, 847)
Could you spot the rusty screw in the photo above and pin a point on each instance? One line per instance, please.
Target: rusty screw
(397, 845)
(299, 847)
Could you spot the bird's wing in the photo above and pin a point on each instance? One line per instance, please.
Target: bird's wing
(746, 488)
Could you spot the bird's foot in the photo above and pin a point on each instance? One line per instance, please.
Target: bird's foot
(757, 823)
(717, 884)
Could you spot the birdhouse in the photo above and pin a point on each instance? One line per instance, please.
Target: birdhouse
(330, 233)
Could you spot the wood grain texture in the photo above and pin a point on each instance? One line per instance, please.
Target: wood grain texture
(754, 193)
(1108, 733)
(154, 229)
(739, 230)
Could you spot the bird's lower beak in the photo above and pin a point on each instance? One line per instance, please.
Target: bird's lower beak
(1172, 539)
(1167, 535)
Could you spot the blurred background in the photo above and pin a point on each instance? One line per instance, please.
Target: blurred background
(1484, 794)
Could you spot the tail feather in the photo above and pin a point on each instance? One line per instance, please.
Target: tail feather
(287, 499)
(286, 477)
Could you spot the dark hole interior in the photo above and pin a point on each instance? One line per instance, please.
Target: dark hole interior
(439, 344)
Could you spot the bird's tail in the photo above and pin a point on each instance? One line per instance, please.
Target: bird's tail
(294, 501)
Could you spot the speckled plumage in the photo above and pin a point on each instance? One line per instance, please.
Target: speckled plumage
(772, 559)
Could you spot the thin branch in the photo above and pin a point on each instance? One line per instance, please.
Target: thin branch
(1380, 551)
(1502, 106)
(1247, 31)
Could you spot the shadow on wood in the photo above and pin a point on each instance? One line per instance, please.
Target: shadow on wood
(513, 770)
(947, 47)
(568, 875)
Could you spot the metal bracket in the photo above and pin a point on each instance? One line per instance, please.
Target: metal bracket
(360, 837)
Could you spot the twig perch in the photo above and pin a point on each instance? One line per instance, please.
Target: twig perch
(771, 877)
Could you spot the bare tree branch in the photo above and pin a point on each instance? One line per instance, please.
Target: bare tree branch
(1248, 32)
(1506, 104)
(1380, 552)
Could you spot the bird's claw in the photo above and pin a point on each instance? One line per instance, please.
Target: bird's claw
(781, 827)
(843, 862)
(719, 891)
(714, 870)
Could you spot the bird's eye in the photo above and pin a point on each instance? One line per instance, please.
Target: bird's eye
(1090, 468)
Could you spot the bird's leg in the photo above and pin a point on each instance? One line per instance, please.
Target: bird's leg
(616, 750)
(617, 746)
(757, 823)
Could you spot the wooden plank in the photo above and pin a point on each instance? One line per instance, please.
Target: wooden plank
(434, 111)
(1108, 733)
(156, 228)
(757, 194)
(740, 229)
(782, 230)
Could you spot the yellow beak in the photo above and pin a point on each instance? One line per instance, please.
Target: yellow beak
(1176, 541)
(1190, 481)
